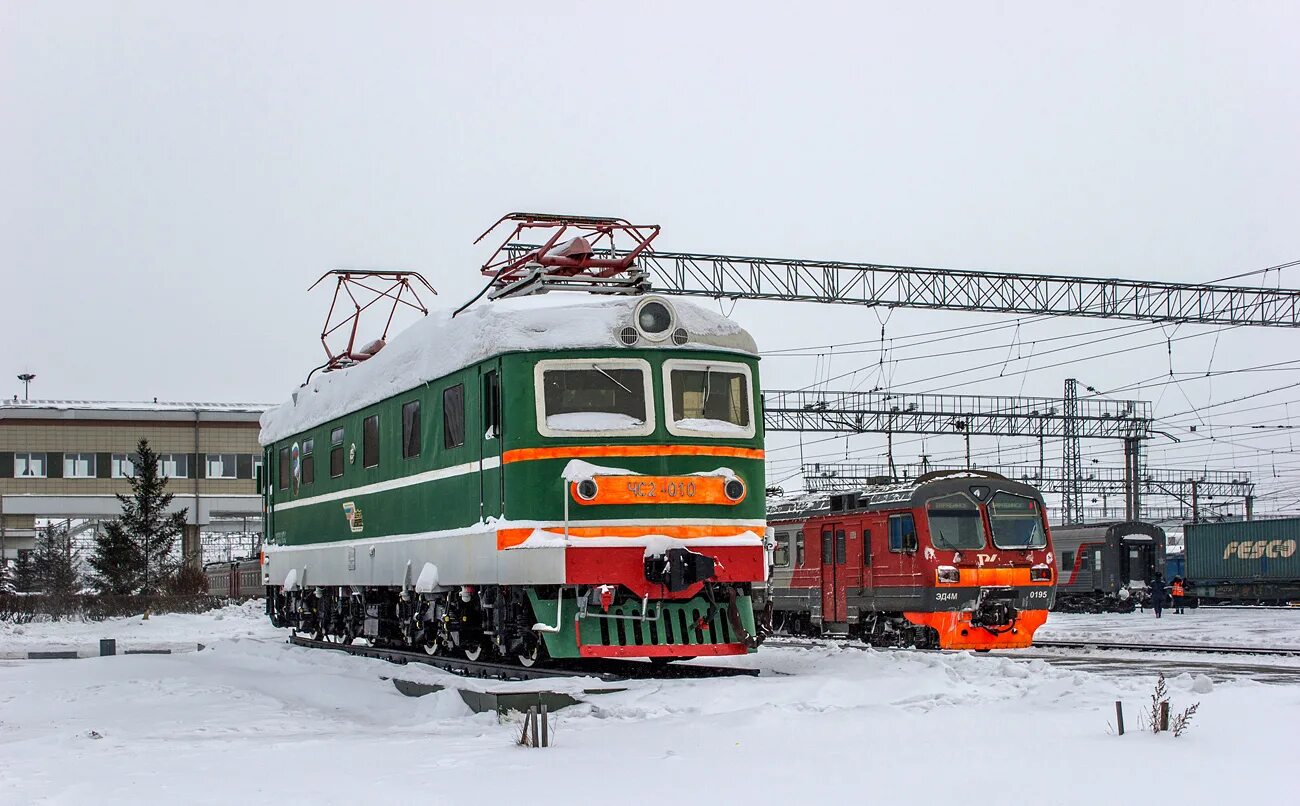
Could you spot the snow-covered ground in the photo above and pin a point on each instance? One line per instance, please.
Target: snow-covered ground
(253, 720)
(1219, 626)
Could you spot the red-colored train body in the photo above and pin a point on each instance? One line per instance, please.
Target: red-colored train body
(952, 560)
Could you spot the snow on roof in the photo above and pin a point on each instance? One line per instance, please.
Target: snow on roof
(439, 344)
(130, 405)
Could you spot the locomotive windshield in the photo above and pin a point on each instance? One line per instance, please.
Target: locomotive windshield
(1017, 522)
(593, 397)
(955, 522)
(709, 398)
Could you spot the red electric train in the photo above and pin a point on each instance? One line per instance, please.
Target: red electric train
(950, 560)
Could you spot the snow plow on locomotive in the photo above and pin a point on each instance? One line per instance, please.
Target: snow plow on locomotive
(951, 560)
(526, 478)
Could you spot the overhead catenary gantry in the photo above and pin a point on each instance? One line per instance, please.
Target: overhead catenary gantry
(1194, 488)
(989, 415)
(895, 286)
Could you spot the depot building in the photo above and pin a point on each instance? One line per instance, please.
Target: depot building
(69, 459)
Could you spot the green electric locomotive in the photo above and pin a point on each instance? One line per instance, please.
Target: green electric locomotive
(563, 476)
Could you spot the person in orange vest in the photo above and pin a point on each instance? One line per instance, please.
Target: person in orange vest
(1176, 590)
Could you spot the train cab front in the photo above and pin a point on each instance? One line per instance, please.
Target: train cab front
(990, 568)
(647, 481)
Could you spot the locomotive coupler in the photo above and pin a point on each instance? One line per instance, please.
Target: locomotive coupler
(678, 569)
(995, 610)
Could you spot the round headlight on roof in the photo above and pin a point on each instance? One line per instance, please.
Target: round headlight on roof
(654, 318)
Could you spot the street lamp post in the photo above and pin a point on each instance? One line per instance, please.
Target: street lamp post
(26, 378)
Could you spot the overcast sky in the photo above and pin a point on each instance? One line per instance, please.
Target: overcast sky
(175, 175)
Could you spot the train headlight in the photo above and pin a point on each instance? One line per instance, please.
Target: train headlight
(948, 575)
(734, 489)
(587, 489)
(654, 319)
(1040, 573)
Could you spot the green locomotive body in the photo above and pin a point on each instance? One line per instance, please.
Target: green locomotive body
(527, 479)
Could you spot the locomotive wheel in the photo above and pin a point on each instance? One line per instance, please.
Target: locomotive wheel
(473, 650)
(534, 653)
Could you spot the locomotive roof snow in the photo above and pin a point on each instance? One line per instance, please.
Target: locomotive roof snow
(438, 345)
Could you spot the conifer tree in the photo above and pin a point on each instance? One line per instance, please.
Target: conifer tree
(55, 561)
(136, 552)
(25, 573)
(117, 564)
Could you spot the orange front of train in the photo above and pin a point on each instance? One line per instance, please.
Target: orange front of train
(990, 579)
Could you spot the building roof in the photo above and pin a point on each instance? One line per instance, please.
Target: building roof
(127, 410)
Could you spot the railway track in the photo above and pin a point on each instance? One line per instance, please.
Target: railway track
(1199, 649)
(607, 670)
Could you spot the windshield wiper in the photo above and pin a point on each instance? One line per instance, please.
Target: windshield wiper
(612, 378)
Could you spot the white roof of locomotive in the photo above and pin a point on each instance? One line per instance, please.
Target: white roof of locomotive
(438, 345)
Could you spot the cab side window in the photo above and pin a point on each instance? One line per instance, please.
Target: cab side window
(902, 533)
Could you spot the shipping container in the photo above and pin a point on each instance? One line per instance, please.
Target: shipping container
(1244, 551)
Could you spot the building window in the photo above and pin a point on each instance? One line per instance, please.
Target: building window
(174, 465)
(411, 429)
(29, 465)
(78, 465)
(257, 465)
(453, 416)
(336, 453)
(220, 465)
(123, 466)
(308, 461)
(370, 441)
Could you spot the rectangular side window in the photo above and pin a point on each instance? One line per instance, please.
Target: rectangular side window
(841, 547)
(902, 533)
(78, 465)
(1096, 560)
(411, 429)
(491, 405)
(174, 465)
(308, 461)
(866, 547)
(798, 549)
(219, 466)
(336, 453)
(1067, 561)
(29, 465)
(827, 547)
(370, 441)
(781, 551)
(284, 469)
(453, 416)
(123, 466)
